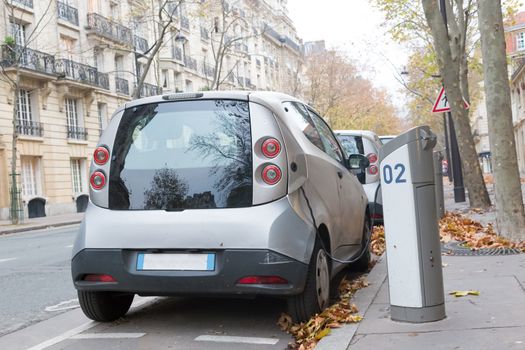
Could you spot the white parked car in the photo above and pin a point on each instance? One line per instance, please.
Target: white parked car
(367, 143)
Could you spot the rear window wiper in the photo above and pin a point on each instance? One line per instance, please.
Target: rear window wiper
(175, 209)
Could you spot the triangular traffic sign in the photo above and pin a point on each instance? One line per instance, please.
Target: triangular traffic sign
(442, 105)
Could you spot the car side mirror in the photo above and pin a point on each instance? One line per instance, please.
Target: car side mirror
(358, 162)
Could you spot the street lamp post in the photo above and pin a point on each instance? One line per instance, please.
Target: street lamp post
(457, 173)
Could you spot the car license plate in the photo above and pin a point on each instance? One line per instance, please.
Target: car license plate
(176, 262)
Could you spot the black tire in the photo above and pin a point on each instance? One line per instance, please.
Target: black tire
(104, 306)
(303, 306)
(361, 265)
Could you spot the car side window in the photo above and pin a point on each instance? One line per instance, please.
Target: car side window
(303, 120)
(327, 137)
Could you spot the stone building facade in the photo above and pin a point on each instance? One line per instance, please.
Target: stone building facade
(77, 61)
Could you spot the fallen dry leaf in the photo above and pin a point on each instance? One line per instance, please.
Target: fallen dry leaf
(458, 227)
(377, 241)
(308, 334)
(463, 293)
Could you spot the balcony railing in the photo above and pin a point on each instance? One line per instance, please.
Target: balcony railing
(141, 44)
(122, 86)
(150, 90)
(27, 3)
(82, 73)
(67, 13)
(29, 128)
(208, 70)
(517, 65)
(191, 63)
(109, 29)
(204, 34)
(176, 53)
(76, 132)
(293, 45)
(185, 22)
(27, 58)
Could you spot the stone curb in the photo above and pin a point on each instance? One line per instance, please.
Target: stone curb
(38, 227)
(340, 338)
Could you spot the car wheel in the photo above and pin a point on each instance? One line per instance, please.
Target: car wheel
(104, 306)
(361, 265)
(316, 294)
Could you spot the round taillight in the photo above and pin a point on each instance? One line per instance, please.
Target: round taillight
(97, 180)
(373, 170)
(271, 148)
(271, 174)
(101, 155)
(372, 157)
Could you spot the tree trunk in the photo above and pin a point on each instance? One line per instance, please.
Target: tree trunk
(510, 214)
(15, 200)
(450, 71)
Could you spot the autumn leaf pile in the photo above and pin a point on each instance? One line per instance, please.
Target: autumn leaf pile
(308, 334)
(377, 241)
(475, 236)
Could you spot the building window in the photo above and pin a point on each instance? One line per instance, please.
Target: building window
(18, 31)
(26, 124)
(164, 78)
(119, 66)
(521, 41)
(78, 178)
(74, 128)
(67, 46)
(31, 185)
(102, 116)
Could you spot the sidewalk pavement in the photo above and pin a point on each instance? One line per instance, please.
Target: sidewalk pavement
(40, 223)
(493, 320)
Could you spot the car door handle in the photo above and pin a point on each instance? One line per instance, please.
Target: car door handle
(340, 174)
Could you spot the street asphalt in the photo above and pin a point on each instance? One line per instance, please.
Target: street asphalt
(35, 275)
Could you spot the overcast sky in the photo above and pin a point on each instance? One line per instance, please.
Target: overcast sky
(355, 27)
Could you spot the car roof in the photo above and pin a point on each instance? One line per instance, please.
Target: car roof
(266, 96)
(366, 133)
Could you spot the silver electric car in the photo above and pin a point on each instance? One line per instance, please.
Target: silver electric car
(239, 193)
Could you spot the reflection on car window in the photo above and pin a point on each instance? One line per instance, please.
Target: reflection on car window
(182, 155)
(352, 144)
(302, 119)
(327, 137)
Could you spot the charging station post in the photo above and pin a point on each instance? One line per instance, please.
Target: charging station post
(415, 276)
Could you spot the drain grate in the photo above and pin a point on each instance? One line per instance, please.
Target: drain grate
(458, 249)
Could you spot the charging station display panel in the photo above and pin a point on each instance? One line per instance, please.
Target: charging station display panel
(401, 230)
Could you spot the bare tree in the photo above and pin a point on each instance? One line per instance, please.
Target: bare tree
(14, 58)
(229, 28)
(510, 213)
(165, 14)
(450, 47)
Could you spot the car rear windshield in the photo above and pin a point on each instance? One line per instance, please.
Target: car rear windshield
(182, 155)
(352, 144)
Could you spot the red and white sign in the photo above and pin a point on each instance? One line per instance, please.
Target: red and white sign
(442, 105)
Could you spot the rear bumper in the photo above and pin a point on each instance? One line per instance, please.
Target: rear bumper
(230, 266)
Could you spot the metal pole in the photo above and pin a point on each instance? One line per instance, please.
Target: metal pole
(459, 189)
(447, 148)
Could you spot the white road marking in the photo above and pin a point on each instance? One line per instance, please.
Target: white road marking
(64, 336)
(64, 305)
(241, 340)
(108, 335)
(69, 246)
(7, 259)
(84, 327)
